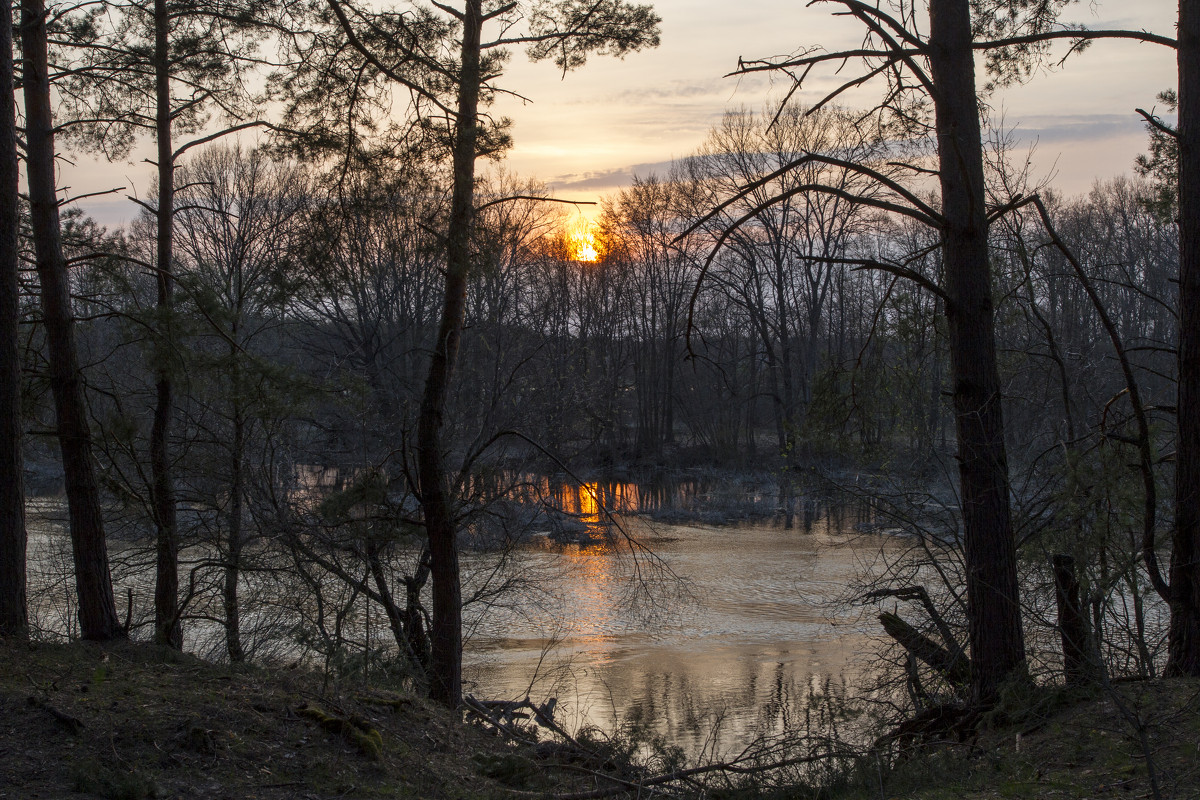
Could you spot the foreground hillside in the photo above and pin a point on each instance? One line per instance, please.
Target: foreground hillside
(128, 722)
(1128, 740)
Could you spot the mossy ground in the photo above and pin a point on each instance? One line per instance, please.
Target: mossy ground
(130, 722)
(158, 724)
(1105, 744)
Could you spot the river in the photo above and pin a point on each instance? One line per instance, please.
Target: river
(748, 625)
(712, 635)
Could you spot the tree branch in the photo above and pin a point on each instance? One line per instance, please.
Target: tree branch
(1158, 124)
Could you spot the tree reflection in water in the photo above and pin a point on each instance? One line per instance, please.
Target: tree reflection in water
(757, 649)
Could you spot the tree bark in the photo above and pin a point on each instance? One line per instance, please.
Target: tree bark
(97, 609)
(414, 619)
(1072, 624)
(1184, 633)
(994, 614)
(167, 628)
(14, 614)
(445, 677)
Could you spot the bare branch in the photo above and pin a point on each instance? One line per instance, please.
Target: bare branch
(373, 59)
(1149, 554)
(535, 198)
(206, 139)
(1079, 36)
(1158, 124)
(921, 211)
(901, 272)
(86, 195)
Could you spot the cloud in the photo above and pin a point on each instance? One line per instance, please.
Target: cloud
(668, 91)
(716, 90)
(1079, 127)
(717, 87)
(1049, 131)
(609, 178)
(108, 211)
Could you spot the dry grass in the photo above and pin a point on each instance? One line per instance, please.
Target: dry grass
(1107, 745)
(128, 722)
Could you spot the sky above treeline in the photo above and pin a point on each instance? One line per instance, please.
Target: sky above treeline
(587, 134)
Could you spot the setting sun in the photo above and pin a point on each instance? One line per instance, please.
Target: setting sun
(581, 242)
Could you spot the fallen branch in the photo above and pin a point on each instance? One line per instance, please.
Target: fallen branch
(953, 668)
(479, 709)
(73, 724)
(744, 765)
(919, 594)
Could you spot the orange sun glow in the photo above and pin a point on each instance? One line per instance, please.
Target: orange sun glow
(581, 242)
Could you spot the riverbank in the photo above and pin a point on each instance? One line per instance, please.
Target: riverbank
(132, 722)
(1125, 740)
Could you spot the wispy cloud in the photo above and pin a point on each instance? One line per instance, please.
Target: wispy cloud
(1079, 128)
(1050, 131)
(609, 178)
(715, 87)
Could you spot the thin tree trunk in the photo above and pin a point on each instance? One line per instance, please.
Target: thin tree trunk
(1184, 634)
(233, 564)
(395, 617)
(934, 418)
(14, 614)
(445, 679)
(407, 626)
(993, 608)
(1078, 661)
(167, 629)
(414, 618)
(97, 609)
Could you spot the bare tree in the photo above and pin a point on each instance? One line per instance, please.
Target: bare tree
(641, 226)
(565, 31)
(369, 290)
(938, 69)
(160, 68)
(786, 244)
(237, 243)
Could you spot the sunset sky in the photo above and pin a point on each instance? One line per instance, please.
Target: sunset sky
(588, 134)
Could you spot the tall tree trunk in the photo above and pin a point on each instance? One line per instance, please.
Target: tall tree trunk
(445, 677)
(1184, 635)
(993, 608)
(167, 629)
(97, 610)
(14, 614)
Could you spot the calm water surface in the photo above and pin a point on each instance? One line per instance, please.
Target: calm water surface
(758, 627)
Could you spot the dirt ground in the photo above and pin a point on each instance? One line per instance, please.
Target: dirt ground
(1128, 740)
(128, 722)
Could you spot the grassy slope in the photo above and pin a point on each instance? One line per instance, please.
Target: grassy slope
(153, 723)
(1102, 746)
(158, 724)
